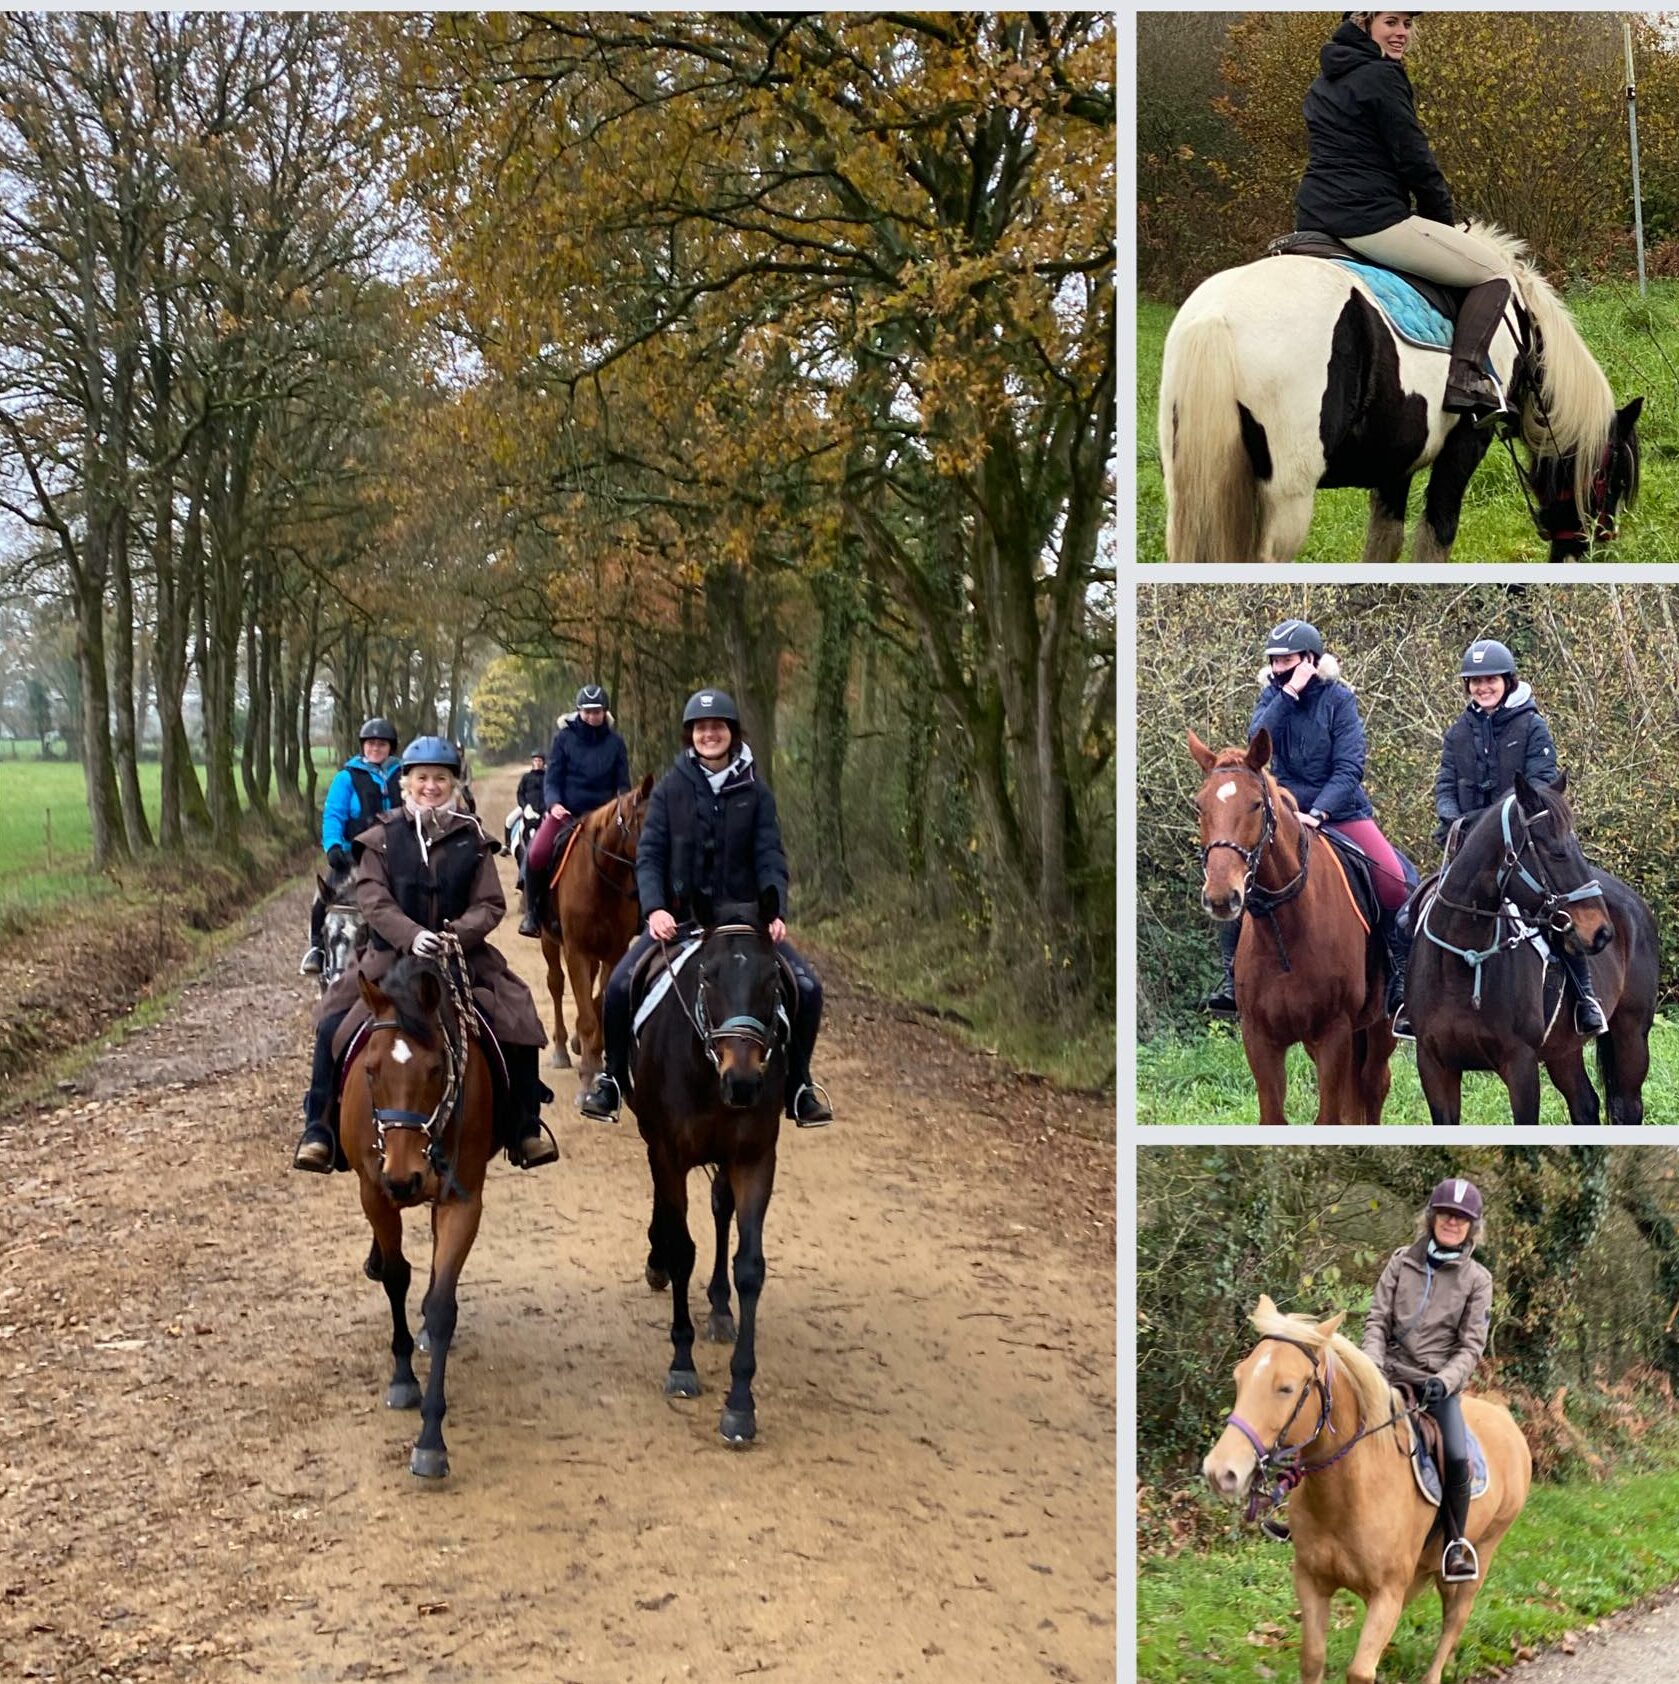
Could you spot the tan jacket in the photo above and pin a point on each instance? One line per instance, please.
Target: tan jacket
(500, 995)
(1429, 1319)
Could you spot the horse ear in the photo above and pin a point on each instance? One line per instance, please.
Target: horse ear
(1333, 1324)
(1264, 1307)
(375, 1000)
(645, 788)
(1627, 418)
(1527, 796)
(428, 989)
(320, 883)
(1559, 784)
(1259, 750)
(1204, 756)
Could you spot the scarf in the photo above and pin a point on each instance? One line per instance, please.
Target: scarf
(737, 772)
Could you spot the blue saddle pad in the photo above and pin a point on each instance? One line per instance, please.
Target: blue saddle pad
(1428, 1476)
(1411, 315)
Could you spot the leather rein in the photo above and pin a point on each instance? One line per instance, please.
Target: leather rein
(1258, 901)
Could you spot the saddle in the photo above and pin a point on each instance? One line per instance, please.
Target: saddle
(1428, 1455)
(651, 979)
(1356, 863)
(1420, 311)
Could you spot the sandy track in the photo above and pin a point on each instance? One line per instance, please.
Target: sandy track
(198, 1479)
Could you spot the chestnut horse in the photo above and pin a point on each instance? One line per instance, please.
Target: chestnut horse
(1476, 982)
(1306, 969)
(592, 900)
(1314, 1412)
(416, 1122)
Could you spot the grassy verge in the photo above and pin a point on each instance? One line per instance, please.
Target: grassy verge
(1207, 1080)
(1637, 345)
(1578, 1552)
(891, 944)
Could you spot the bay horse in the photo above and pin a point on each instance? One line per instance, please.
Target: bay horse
(1282, 376)
(1314, 1412)
(709, 1076)
(1475, 988)
(592, 899)
(1306, 969)
(417, 1126)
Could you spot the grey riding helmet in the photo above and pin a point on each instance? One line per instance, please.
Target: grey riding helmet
(1293, 637)
(591, 696)
(711, 704)
(1486, 657)
(378, 729)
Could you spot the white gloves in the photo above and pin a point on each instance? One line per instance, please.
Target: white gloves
(428, 944)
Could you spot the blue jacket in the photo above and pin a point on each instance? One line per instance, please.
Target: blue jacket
(725, 845)
(587, 766)
(1317, 746)
(357, 795)
(1482, 754)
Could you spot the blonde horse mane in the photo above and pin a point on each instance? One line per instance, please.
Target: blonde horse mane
(1377, 1400)
(1576, 409)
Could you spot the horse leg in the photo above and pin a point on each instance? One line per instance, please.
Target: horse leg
(720, 1324)
(1521, 1076)
(1442, 1086)
(1284, 522)
(1455, 1603)
(1629, 1064)
(1375, 1068)
(1314, 1624)
(1384, 537)
(454, 1227)
(1269, 1064)
(394, 1275)
(554, 958)
(1568, 1073)
(580, 968)
(1381, 1616)
(1338, 1098)
(1448, 479)
(752, 1185)
(673, 1250)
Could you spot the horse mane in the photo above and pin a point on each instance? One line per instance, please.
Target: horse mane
(1376, 1397)
(400, 985)
(1575, 414)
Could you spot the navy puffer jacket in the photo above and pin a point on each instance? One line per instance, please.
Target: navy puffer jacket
(587, 766)
(1483, 753)
(1317, 743)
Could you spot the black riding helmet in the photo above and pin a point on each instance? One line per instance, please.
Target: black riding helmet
(378, 729)
(1486, 657)
(1293, 637)
(591, 696)
(711, 704)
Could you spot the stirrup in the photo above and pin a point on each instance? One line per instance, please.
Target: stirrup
(314, 962)
(1276, 1529)
(820, 1095)
(545, 1151)
(1580, 1028)
(602, 1111)
(313, 1163)
(1468, 1571)
(1400, 1026)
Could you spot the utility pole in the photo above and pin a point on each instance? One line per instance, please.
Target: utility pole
(1632, 129)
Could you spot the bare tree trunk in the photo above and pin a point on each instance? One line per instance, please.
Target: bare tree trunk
(135, 828)
(745, 613)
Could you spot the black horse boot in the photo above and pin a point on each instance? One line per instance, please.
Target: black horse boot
(1470, 390)
(317, 1146)
(1222, 1001)
(1396, 934)
(1458, 1560)
(1588, 1009)
(602, 1098)
(530, 924)
(806, 1101)
(530, 1144)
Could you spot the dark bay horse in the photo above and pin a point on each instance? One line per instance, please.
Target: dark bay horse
(593, 900)
(417, 1126)
(1475, 988)
(709, 1074)
(1306, 969)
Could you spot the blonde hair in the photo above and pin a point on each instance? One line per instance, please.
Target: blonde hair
(1365, 19)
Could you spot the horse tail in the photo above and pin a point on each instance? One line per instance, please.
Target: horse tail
(1212, 510)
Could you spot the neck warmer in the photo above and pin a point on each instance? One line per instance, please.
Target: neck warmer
(737, 772)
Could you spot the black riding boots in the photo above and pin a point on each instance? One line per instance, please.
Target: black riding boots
(530, 924)
(530, 1145)
(1458, 1561)
(315, 958)
(1396, 936)
(1588, 1009)
(317, 1147)
(1470, 390)
(1222, 1001)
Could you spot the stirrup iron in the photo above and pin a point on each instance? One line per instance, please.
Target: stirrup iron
(1473, 1564)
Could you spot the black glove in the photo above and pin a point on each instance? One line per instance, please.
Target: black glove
(1434, 1389)
(338, 858)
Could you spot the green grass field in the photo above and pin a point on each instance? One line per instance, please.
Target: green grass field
(1637, 345)
(1578, 1552)
(1207, 1080)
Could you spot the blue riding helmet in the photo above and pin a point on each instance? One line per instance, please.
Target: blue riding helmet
(432, 751)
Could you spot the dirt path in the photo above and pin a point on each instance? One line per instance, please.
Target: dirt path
(1637, 1647)
(198, 1479)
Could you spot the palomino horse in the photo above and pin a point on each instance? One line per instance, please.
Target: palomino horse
(1313, 1411)
(709, 1078)
(417, 1126)
(1475, 988)
(1306, 969)
(593, 900)
(1283, 376)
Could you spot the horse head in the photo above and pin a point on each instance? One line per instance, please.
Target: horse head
(630, 814)
(1612, 485)
(740, 999)
(1237, 808)
(1572, 904)
(413, 1072)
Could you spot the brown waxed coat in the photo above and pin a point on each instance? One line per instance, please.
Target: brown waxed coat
(1447, 1338)
(499, 994)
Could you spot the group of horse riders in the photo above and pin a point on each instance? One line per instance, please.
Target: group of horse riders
(425, 869)
(1318, 754)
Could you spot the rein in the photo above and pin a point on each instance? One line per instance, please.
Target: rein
(1258, 901)
(739, 1027)
(1551, 907)
(598, 851)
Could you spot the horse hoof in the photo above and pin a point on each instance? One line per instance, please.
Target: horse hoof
(657, 1278)
(422, 1340)
(577, 1045)
(682, 1382)
(559, 1061)
(738, 1426)
(429, 1464)
(403, 1394)
(720, 1327)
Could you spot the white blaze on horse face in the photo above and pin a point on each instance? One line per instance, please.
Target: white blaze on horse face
(1226, 790)
(402, 1052)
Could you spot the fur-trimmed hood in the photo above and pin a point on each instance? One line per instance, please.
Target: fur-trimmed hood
(1328, 669)
(566, 719)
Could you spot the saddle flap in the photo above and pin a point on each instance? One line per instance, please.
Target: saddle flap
(1427, 1460)
(1356, 864)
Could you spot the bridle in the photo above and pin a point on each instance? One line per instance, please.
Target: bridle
(599, 851)
(1257, 900)
(1550, 910)
(742, 1026)
(1287, 1461)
